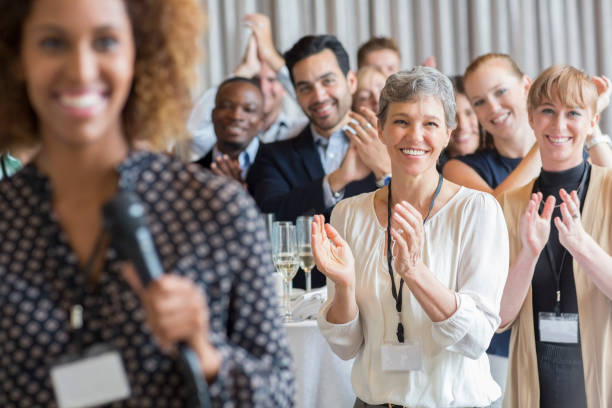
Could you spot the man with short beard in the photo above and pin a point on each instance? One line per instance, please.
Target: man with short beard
(310, 173)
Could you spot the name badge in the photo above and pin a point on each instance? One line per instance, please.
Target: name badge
(401, 357)
(90, 380)
(558, 329)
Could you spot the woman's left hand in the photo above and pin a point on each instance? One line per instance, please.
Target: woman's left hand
(571, 233)
(407, 231)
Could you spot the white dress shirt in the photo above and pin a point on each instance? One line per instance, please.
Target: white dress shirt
(331, 152)
(466, 248)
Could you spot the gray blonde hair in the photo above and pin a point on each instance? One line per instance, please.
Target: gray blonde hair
(408, 86)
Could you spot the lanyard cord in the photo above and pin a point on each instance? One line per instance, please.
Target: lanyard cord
(548, 250)
(77, 310)
(398, 295)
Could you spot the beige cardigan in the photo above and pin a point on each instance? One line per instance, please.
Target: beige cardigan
(594, 309)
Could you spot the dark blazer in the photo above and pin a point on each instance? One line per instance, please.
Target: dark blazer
(286, 179)
(205, 161)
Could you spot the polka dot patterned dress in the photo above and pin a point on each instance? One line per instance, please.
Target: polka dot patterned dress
(205, 228)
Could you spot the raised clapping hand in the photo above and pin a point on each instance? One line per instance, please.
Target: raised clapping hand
(571, 234)
(332, 254)
(250, 65)
(604, 90)
(535, 228)
(262, 30)
(408, 234)
(372, 152)
(176, 311)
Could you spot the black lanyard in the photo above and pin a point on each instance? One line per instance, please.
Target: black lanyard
(77, 310)
(398, 296)
(548, 249)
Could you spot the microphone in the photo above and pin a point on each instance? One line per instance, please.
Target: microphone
(125, 218)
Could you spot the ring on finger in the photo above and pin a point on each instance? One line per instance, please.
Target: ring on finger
(368, 125)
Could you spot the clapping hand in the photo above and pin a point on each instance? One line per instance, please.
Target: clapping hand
(535, 228)
(332, 254)
(604, 90)
(228, 167)
(571, 233)
(372, 152)
(408, 234)
(250, 65)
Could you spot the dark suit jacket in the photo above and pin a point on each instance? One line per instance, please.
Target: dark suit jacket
(286, 179)
(205, 161)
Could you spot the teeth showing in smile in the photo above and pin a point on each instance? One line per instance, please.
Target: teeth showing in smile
(322, 109)
(84, 101)
(413, 152)
(500, 119)
(558, 140)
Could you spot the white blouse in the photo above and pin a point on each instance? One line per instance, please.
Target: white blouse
(466, 247)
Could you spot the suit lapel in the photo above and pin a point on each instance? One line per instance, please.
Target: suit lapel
(307, 152)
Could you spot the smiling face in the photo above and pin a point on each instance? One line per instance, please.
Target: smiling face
(272, 90)
(499, 98)
(387, 61)
(238, 116)
(323, 92)
(561, 132)
(77, 59)
(415, 133)
(370, 82)
(465, 137)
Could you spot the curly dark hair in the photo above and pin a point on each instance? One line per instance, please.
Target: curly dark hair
(166, 36)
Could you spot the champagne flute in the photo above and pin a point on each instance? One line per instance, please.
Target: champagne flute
(303, 225)
(284, 253)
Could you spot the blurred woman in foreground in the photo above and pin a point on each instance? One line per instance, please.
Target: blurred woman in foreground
(87, 80)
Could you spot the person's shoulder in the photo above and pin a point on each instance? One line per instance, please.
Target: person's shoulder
(478, 156)
(474, 199)
(351, 206)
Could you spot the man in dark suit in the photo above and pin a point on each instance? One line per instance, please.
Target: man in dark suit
(313, 171)
(237, 119)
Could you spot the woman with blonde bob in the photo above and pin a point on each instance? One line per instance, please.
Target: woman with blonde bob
(558, 297)
(418, 317)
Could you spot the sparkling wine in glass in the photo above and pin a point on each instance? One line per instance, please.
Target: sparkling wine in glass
(286, 261)
(303, 225)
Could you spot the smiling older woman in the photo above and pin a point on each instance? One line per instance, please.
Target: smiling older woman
(419, 318)
(558, 299)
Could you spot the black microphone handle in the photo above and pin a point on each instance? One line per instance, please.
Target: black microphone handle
(127, 221)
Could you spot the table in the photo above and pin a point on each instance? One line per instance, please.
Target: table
(322, 378)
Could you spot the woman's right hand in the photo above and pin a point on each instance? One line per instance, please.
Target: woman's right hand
(535, 228)
(332, 254)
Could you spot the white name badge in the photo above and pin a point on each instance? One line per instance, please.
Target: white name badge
(558, 329)
(401, 357)
(91, 380)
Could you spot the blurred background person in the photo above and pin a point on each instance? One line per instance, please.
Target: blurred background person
(380, 52)
(558, 298)
(237, 119)
(83, 78)
(466, 137)
(262, 62)
(414, 284)
(370, 82)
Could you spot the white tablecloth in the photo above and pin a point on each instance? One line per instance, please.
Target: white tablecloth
(322, 378)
